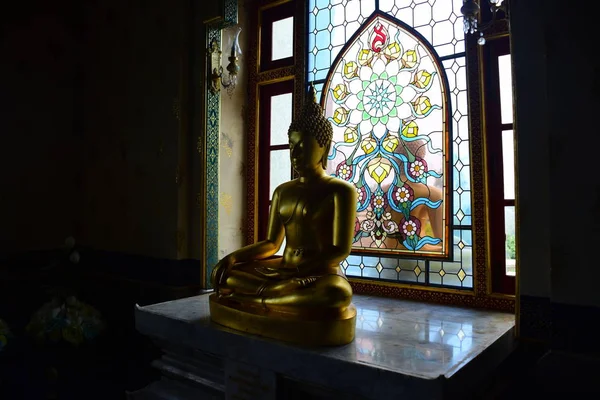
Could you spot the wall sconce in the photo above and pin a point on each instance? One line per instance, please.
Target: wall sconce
(470, 11)
(216, 75)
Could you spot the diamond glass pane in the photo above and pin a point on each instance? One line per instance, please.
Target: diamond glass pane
(459, 272)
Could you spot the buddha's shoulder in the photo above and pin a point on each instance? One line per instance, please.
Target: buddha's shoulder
(340, 186)
(285, 187)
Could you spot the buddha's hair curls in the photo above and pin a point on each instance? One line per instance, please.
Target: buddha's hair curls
(312, 121)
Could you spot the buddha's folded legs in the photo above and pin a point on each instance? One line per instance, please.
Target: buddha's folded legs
(328, 292)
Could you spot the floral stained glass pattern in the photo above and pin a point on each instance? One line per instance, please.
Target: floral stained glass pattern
(332, 24)
(387, 100)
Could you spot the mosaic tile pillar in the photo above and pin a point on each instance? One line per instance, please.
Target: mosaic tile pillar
(213, 116)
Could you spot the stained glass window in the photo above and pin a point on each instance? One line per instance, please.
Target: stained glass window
(403, 142)
(386, 98)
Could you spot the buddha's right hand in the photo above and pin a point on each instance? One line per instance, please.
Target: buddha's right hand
(221, 271)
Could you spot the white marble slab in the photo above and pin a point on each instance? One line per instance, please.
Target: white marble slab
(401, 347)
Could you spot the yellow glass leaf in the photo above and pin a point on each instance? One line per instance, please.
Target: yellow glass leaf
(379, 170)
(422, 79)
(417, 270)
(340, 115)
(390, 143)
(392, 51)
(410, 130)
(340, 91)
(368, 145)
(350, 70)
(365, 57)
(462, 274)
(422, 105)
(427, 229)
(409, 59)
(350, 135)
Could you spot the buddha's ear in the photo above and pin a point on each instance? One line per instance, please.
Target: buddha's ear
(325, 154)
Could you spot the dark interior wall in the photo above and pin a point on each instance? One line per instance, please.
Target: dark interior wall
(90, 122)
(557, 78)
(528, 50)
(131, 61)
(573, 83)
(39, 158)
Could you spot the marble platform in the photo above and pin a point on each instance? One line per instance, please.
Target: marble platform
(402, 350)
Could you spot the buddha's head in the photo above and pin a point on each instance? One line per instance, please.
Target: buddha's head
(310, 136)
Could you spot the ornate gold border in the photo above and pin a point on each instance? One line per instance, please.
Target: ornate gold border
(431, 294)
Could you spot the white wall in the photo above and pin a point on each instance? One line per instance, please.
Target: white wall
(232, 148)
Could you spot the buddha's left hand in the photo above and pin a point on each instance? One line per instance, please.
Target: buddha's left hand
(221, 271)
(281, 273)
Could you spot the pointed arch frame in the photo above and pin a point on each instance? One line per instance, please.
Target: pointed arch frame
(447, 253)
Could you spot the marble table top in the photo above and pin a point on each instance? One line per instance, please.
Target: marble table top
(395, 339)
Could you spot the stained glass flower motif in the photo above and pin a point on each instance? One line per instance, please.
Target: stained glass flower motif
(385, 96)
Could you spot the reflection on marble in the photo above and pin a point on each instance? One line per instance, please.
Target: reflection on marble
(399, 345)
(423, 339)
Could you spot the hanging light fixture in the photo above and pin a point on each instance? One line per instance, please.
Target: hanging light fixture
(470, 11)
(216, 76)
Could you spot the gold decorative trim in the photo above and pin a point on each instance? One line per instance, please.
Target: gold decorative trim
(199, 145)
(478, 196)
(275, 75)
(272, 3)
(176, 109)
(269, 80)
(405, 285)
(431, 295)
(252, 145)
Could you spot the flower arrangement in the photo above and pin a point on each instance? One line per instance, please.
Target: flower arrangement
(4, 334)
(66, 319)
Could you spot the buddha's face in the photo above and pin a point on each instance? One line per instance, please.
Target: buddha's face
(305, 152)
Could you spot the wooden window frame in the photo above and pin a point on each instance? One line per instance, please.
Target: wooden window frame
(267, 92)
(268, 16)
(496, 203)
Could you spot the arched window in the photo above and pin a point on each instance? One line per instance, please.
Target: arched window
(358, 53)
(412, 102)
(386, 96)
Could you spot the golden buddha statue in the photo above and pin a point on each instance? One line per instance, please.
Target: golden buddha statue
(303, 296)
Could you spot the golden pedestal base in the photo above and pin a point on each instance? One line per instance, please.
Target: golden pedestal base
(325, 331)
